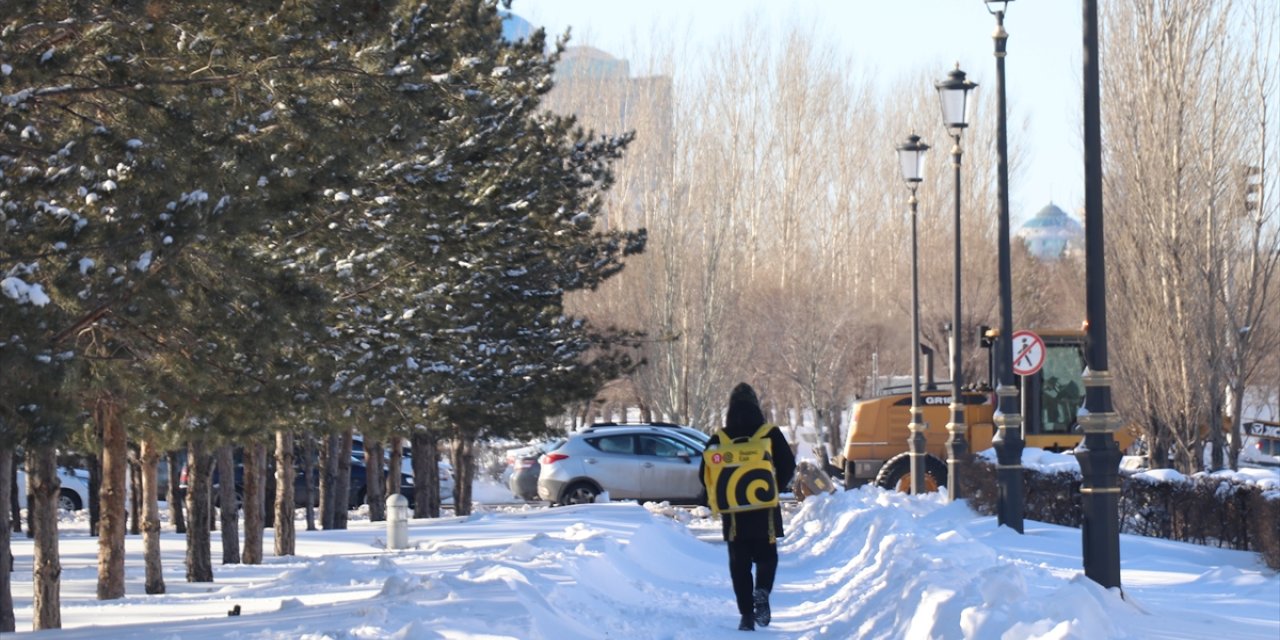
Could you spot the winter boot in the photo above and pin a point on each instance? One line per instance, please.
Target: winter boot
(763, 614)
(747, 624)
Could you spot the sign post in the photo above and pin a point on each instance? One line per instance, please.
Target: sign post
(1028, 352)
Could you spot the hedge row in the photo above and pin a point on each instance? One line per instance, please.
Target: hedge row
(1202, 509)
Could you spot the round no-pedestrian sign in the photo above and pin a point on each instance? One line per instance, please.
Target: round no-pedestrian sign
(1028, 352)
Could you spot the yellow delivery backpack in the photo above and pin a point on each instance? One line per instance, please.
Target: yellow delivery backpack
(739, 473)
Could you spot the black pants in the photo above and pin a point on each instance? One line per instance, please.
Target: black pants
(742, 555)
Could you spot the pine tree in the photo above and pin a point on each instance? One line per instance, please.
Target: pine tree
(451, 249)
(136, 151)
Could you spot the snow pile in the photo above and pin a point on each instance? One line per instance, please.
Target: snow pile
(857, 564)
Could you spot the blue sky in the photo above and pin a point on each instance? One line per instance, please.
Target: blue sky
(897, 37)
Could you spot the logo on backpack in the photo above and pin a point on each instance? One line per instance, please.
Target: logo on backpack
(739, 474)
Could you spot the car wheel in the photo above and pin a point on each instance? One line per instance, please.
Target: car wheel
(217, 500)
(68, 500)
(580, 493)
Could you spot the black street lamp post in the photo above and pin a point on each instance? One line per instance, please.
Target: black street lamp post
(1008, 441)
(911, 159)
(1098, 454)
(954, 94)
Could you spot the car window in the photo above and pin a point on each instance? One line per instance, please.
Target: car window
(700, 436)
(663, 447)
(614, 444)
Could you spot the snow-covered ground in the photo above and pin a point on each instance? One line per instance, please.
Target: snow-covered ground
(858, 564)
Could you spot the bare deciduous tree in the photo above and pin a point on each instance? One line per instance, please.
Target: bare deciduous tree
(777, 242)
(1191, 261)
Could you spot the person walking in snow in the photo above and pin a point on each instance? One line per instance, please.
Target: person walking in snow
(752, 536)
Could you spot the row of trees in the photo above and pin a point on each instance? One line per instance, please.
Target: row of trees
(238, 223)
(252, 223)
(1193, 90)
(779, 238)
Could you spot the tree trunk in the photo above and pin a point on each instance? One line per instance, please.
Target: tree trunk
(285, 542)
(342, 488)
(15, 524)
(426, 475)
(835, 440)
(309, 481)
(115, 477)
(94, 463)
(1236, 425)
(7, 621)
(374, 481)
(229, 505)
(42, 516)
(95, 488)
(149, 461)
(397, 462)
(328, 480)
(255, 469)
(464, 469)
(135, 496)
(199, 562)
(174, 498)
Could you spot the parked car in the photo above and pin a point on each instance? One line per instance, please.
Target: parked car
(1260, 452)
(358, 489)
(1261, 445)
(523, 479)
(72, 496)
(446, 481)
(631, 462)
(406, 466)
(406, 453)
(697, 435)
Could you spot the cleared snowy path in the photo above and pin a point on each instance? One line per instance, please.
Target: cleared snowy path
(860, 564)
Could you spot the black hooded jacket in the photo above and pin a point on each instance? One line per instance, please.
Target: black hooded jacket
(742, 420)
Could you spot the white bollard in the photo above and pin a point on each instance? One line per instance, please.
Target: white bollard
(397, 522)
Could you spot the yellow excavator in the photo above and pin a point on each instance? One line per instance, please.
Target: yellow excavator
(876, 448)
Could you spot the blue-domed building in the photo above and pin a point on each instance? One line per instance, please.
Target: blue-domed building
(1052, 233)
(514, 27)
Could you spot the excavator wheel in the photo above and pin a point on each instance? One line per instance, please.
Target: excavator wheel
(896, 474)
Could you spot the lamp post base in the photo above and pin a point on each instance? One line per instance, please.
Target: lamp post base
(1009, 444)
(957, 451)
(916, 447)
(1099, 458)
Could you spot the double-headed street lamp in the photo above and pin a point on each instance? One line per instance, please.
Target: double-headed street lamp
(954, 93)
(911, 160)
(1008, 441)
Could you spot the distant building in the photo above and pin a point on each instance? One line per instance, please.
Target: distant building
(514, 27)
(599, 90)
(589, 63)
(1052, 233)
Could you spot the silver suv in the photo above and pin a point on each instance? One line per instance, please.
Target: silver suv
(649, 461)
